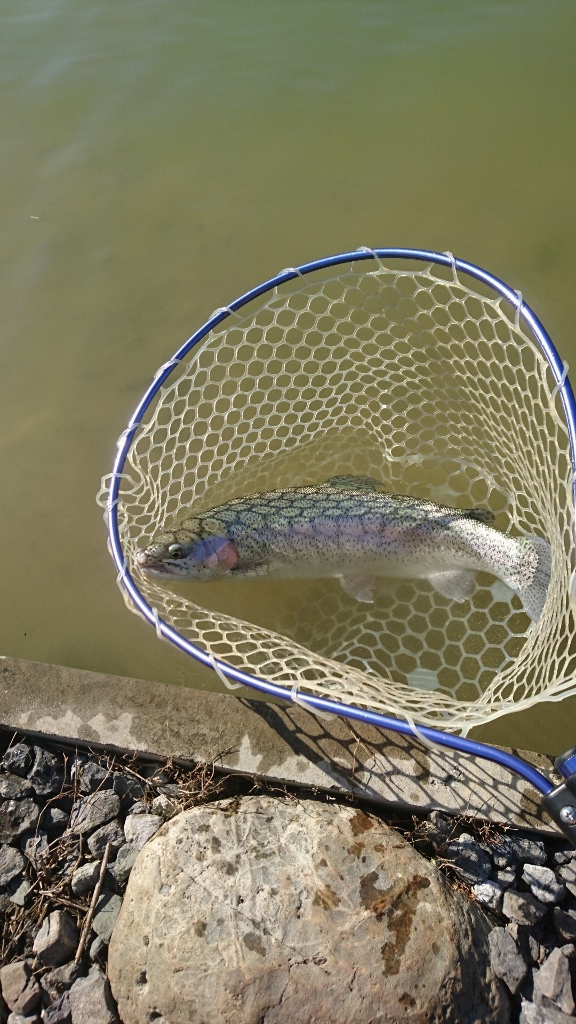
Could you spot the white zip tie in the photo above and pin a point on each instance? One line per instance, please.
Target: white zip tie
(518, 310)
(122, 572)
(221, 676)
(165, 366)
(107, 514)
(102, 496)
(452, 259)
(122, 439)
(302, 703)
(157, 624)
(431, 744)
(560, 383)
(225, 309)
(374, 254)
(290, 270)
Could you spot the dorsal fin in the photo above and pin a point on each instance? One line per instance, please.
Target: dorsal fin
(482, 515)
(356, 483)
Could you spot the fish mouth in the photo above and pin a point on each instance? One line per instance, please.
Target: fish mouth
(159, 568)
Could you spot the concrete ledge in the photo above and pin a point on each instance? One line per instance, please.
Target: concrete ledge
(281, 743)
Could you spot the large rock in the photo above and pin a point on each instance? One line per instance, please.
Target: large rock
(264, 910)
(85, 877)
(59, 1012)
(112, 833)
(469, 860)
(565, 924)
(532, 1014)
(121, 869)
(57, 982)
(92, 776)
(568, 873)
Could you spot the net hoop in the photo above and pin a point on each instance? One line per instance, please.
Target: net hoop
(235, 676)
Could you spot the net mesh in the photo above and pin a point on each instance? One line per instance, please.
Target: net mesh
(407, 375)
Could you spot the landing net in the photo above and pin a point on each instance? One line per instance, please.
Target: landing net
(419, 373)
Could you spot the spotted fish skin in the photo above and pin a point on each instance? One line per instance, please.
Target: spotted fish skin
(350, 528)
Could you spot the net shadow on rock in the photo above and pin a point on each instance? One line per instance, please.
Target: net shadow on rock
(388, 767)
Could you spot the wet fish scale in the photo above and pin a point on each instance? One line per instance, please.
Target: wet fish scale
(350, 528)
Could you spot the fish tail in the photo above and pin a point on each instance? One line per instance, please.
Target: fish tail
(532, 575)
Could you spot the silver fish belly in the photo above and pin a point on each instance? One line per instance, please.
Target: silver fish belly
(351, 529)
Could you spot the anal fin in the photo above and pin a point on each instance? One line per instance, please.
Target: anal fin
(361, 588)
(457, 584)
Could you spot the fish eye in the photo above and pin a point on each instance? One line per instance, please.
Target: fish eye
(176, 551)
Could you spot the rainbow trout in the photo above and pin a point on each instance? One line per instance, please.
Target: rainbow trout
(350, 528)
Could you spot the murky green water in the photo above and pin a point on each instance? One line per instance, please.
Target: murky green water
(159, 157)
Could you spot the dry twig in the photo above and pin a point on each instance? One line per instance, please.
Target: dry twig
(92, 907)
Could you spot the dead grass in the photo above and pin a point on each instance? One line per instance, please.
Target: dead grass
(50, 874)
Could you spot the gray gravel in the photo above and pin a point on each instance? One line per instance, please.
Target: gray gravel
(57, 939)
(57, 817)
(90, 812)
(507, 963)
(522, 907)
(469, 860)
(17, 817)
(544, 884)
(85, 877)
(12, 787)
(11, 864)
(47, 775)
(112, 833)
(18, 759)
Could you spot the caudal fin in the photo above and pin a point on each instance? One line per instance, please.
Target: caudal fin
(532, 575)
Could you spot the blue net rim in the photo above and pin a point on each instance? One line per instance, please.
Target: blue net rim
(230, 672)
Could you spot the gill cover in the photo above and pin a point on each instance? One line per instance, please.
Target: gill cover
(212, 556)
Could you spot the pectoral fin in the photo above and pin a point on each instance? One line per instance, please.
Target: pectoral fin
(456, 585)
(361, 588)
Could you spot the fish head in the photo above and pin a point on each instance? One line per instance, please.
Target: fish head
(198, 549)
